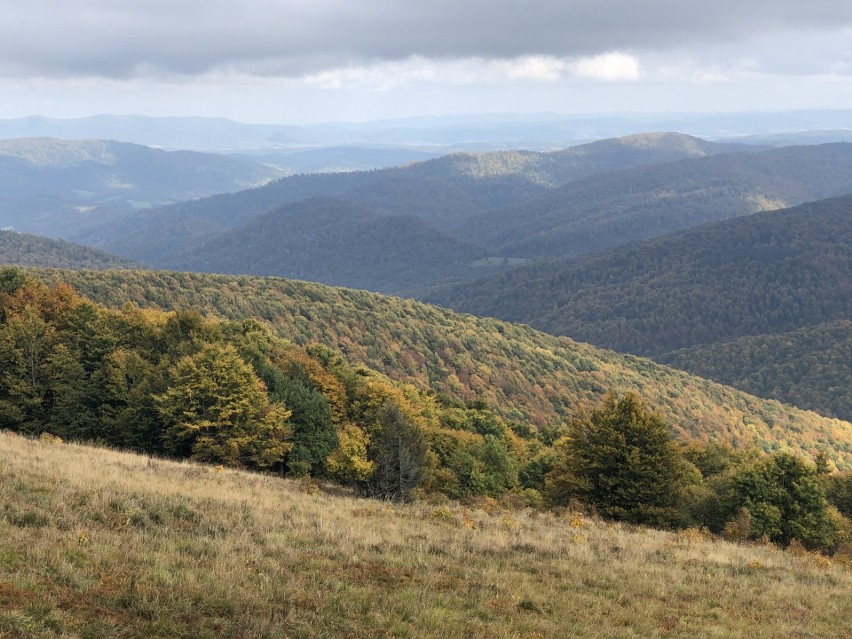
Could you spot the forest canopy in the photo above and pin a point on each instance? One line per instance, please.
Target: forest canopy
(232, 393)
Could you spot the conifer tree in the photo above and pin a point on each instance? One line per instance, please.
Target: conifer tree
(398, 451)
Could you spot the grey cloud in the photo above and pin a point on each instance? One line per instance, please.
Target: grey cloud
(112, 38)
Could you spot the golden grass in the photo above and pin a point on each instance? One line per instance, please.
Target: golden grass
(96, 543)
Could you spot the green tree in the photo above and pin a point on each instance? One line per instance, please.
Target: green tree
(785, 499)
(216, 409)
(620, 459)
(314, 435)
(839, 491)
(11, 280)
(70, 400)
(398, 451)
(27, 342)
(484, 468)
(128, 413)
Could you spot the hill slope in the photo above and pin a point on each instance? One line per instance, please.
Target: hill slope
(331, 241)
(95, 540)
(55, 187)
(33, 250)
(527, 376)
(809, 367)
(761, 274)
(444, 191)
(611, 209)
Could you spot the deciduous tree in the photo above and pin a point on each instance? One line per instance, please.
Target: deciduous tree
(620, 459)
(216, 409)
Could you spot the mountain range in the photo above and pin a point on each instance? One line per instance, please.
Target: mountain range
(511, 207)
(771, 272)
(445, 134)
(59, 187)
(479, 232)
(443, 192)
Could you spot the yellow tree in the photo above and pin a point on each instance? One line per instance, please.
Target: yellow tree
(216, 409)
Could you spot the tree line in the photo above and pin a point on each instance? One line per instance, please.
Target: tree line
(232, 393)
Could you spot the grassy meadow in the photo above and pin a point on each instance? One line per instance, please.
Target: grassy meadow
(96, 543)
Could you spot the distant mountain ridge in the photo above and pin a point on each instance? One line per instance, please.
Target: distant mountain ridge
(32, 250)
(60, 187)
(486, 132)
(443, 192)
(610, 209)
(522, 205)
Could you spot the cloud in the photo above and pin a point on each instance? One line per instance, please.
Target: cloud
(537, 67)
(611, 66)
(294, 38)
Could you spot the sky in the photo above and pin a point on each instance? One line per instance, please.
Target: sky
(298, 61)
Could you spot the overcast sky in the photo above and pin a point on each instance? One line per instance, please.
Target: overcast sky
(331, 60)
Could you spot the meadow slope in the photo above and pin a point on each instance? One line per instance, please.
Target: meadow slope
(101, 544)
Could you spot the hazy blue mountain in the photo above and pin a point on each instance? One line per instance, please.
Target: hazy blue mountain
(444, 191)
(32, 250)
(796, 138)
(335, 159)
(56, 187)
(480, 132)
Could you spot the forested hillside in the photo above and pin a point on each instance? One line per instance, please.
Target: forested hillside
(329, 240)
(612, 209)
(526, 377)
(33, 250)
(62, 188)
(180, 385)
(766, 273)
(810, 367)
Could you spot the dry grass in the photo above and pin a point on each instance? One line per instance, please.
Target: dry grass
(95, 544)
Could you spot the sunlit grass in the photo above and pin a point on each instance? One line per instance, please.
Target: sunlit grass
(95, 543)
